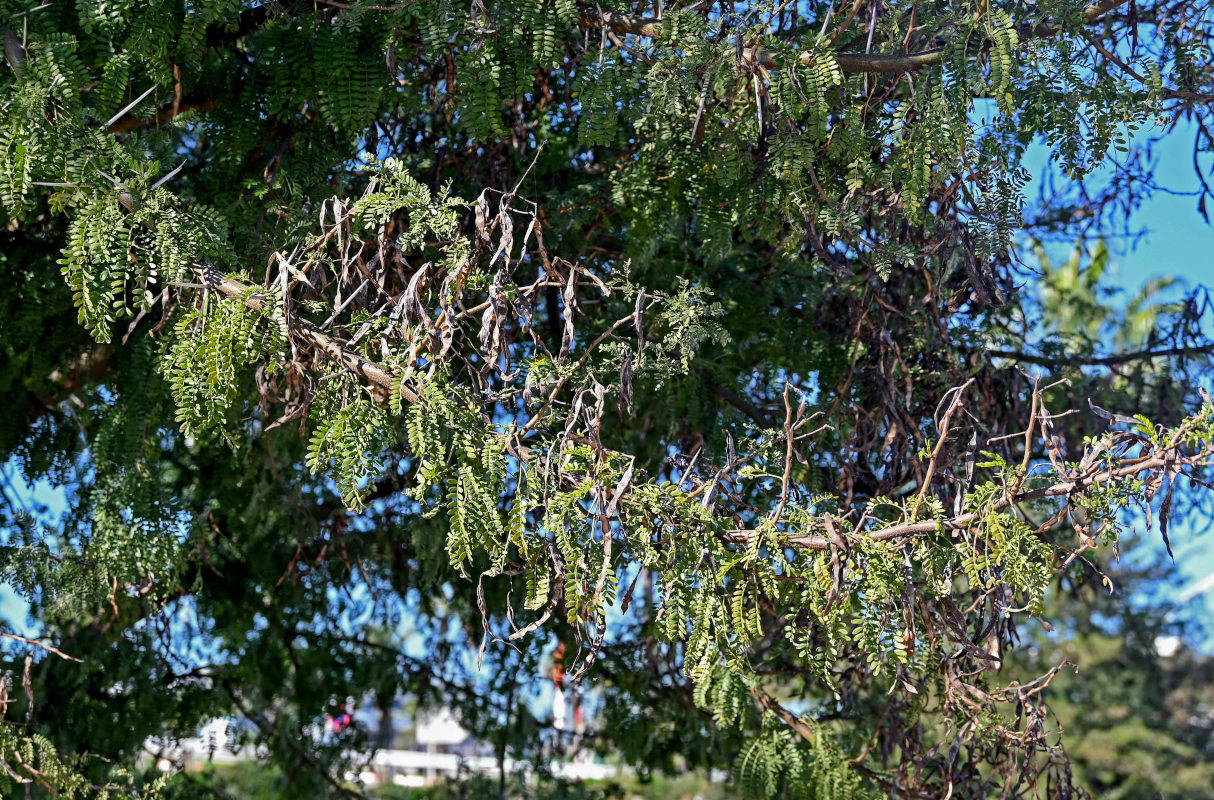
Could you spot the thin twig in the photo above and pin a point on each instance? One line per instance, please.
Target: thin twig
(43, 645)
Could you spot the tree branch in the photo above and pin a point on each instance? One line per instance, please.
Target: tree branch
(848, 62)
(352, 361)
(131, 122)
(1099, 475)
(43, 645)
(1103, 361)
(250, 21)
(734, 399)
(256, 18)
(1165, 459)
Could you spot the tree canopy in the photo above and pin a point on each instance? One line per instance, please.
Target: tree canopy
(718, 342)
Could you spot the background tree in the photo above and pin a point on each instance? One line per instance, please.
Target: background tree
(1137, 722)
(502, 316)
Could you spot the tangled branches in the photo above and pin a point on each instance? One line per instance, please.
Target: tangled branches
(915, 592)
(746, 370)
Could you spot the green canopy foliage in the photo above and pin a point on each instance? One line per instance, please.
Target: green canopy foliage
(698, 338)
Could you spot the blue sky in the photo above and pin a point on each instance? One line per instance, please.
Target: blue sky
(1177, 240)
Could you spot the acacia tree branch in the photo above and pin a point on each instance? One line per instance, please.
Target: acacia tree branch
(1167, 458)
(254, 19)
(1175, 94)
(1103, 361)
(368, 370)
(131, 122)
(848, 62)
(736, 400)
(43, 645)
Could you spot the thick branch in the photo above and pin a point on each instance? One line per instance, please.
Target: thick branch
(848, 62)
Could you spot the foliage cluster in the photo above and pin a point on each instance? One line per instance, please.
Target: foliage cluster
(701, 329)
